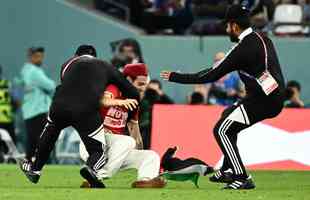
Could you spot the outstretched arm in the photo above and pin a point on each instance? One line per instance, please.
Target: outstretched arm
(230, 63)
(194, 78)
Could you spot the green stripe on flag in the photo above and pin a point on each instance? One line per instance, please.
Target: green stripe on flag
(193, 177)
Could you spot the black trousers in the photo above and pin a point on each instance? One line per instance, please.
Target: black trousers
(34, 128)
(235, 119)
(10, 128)
(88, 125)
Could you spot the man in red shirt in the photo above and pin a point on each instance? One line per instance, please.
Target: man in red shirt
(123, 152)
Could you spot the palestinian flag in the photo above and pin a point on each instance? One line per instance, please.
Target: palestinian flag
(189, 169)
(193, 177)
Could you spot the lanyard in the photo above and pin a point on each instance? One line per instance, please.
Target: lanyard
(266, 57)
(265, 49)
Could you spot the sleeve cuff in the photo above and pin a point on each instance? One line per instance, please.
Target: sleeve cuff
(172, 76)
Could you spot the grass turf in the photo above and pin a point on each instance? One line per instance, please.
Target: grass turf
(62, 183)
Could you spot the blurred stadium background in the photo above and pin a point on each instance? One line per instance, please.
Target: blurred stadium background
(61, 25)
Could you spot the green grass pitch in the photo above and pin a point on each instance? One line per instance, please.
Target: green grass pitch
(62, 183)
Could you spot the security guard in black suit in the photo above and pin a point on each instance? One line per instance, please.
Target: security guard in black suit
(255, 59)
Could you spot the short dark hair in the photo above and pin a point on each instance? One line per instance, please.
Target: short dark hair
(156, 81)
(33, 50)
(126, 43)
(197, 98)
(295, 84)
(86, 50)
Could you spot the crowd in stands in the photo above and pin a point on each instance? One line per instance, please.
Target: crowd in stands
(204, 17)
(35, 89)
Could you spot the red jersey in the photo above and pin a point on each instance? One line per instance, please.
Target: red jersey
(115, 118)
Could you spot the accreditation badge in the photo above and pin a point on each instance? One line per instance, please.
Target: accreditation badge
(267, 82)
